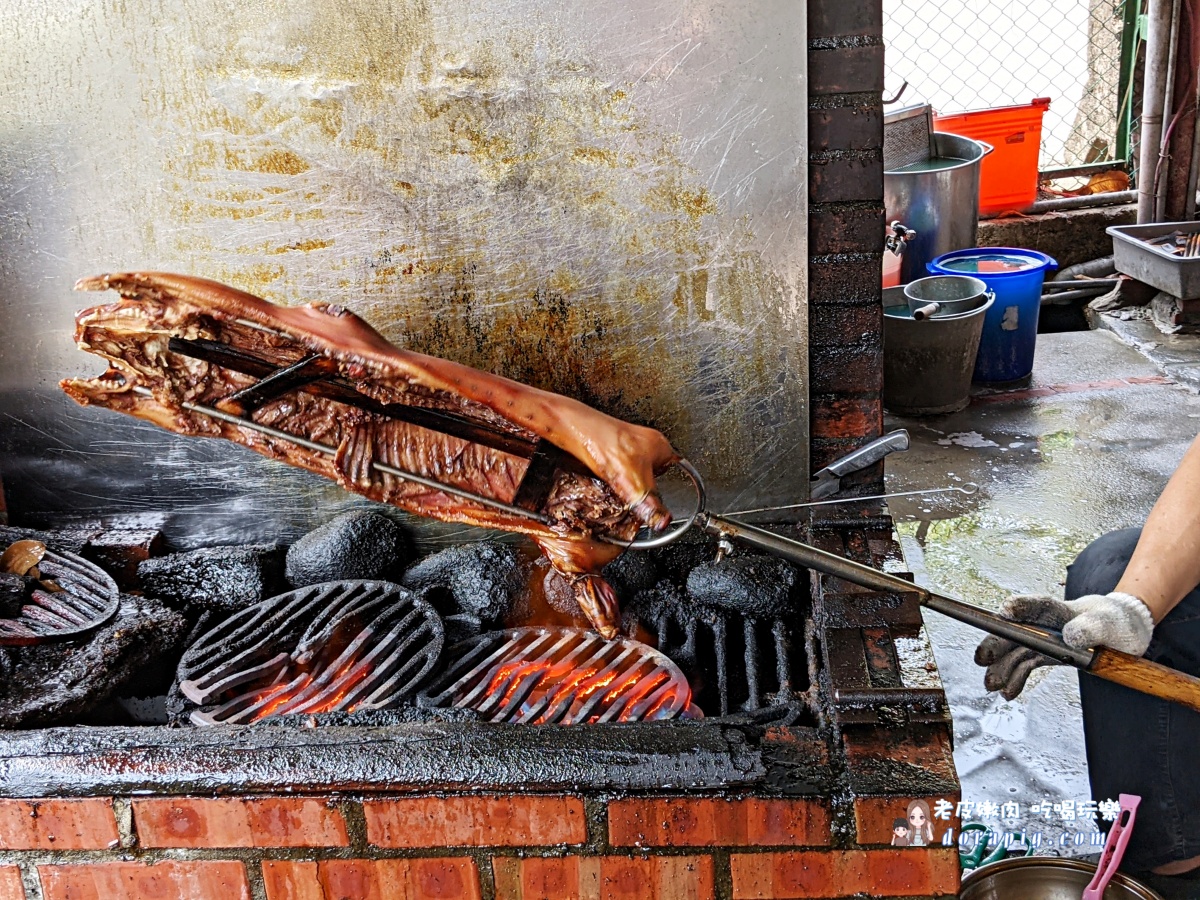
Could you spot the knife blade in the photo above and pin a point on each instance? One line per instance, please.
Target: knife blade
(828, 481)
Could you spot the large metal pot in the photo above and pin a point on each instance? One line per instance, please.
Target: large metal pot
(938, 199)
(1045, 878)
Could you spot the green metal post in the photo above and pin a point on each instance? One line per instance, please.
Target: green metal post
(1131, 36)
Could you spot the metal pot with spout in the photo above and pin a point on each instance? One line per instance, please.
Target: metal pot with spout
(938, 198)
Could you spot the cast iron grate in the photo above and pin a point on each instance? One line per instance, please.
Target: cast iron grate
(88, 599)
(339, 646)
(738, 664)
(561, 676)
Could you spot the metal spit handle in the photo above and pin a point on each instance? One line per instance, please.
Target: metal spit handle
(1103, 662)
(1040, 639)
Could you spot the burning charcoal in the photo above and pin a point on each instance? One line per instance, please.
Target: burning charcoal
(565, 676)
(53, 683)
(758, 586)
(486, 579)
(325, 647)
(631, 572)
(216, 578)
(357, 545)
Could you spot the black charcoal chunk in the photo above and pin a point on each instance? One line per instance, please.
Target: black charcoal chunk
(678, 558)
(14, 589)
(461, 628)
(223, 579)
(758, 586)
(486, 579)
(657, 607)
(357, 545)
(56, 683)
(631, 572)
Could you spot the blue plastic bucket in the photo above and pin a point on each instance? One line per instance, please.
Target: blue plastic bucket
(1010, 327)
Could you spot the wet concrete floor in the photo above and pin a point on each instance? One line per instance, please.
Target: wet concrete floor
(1086, 449)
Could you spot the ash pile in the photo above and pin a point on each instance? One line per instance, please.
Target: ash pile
(350, 625)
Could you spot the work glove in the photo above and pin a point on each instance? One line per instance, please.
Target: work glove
(1116, 620)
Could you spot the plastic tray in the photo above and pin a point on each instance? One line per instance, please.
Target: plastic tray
(1132, 256)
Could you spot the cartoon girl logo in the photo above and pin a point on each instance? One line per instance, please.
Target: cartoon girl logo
(920, 829)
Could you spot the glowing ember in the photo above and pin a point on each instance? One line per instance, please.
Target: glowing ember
(562, 675)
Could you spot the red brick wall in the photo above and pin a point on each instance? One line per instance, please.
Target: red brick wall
(419, 848)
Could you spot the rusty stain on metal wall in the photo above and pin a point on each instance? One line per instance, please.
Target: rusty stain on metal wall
(605, 200)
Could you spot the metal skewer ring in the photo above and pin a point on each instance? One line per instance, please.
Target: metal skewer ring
(678, 529)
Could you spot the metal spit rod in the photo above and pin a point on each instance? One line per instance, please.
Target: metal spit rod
(1039, 639)
(327, 450)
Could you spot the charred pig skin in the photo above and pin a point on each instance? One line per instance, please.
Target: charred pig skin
(613, 491)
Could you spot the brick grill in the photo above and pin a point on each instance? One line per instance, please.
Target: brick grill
(503, 846)
(754, 813)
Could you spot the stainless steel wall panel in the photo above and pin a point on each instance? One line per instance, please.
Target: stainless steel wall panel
(603, 199)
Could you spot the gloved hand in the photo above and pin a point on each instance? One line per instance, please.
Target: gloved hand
(1120, 621)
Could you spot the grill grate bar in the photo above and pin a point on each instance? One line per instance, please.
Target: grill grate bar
(560, 676)
(88, 600)
(337, 646)
(561, 697)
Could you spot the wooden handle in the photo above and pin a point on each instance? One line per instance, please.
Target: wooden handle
(1145, 676)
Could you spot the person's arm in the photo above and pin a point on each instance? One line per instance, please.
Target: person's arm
(1164, 567)
(1166, 564)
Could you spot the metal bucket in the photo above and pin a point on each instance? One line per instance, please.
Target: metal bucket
(927, 365)
(939, 199)
(1045, 878)
(944, 295)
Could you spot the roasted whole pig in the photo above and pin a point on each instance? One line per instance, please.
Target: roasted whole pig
(323, 375)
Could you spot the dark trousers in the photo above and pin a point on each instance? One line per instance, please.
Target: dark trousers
(1137, 744)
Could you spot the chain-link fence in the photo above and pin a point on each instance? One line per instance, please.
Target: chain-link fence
(973, 54)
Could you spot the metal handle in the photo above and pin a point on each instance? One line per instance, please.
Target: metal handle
(869, 453)
(928, 311)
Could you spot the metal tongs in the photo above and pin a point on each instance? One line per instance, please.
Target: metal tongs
(1103, 662)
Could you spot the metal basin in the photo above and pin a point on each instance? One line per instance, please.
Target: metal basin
(1045, 878)
(927, 365)
(944, 295)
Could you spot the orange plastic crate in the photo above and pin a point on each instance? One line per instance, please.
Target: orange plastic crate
(1008, 177)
